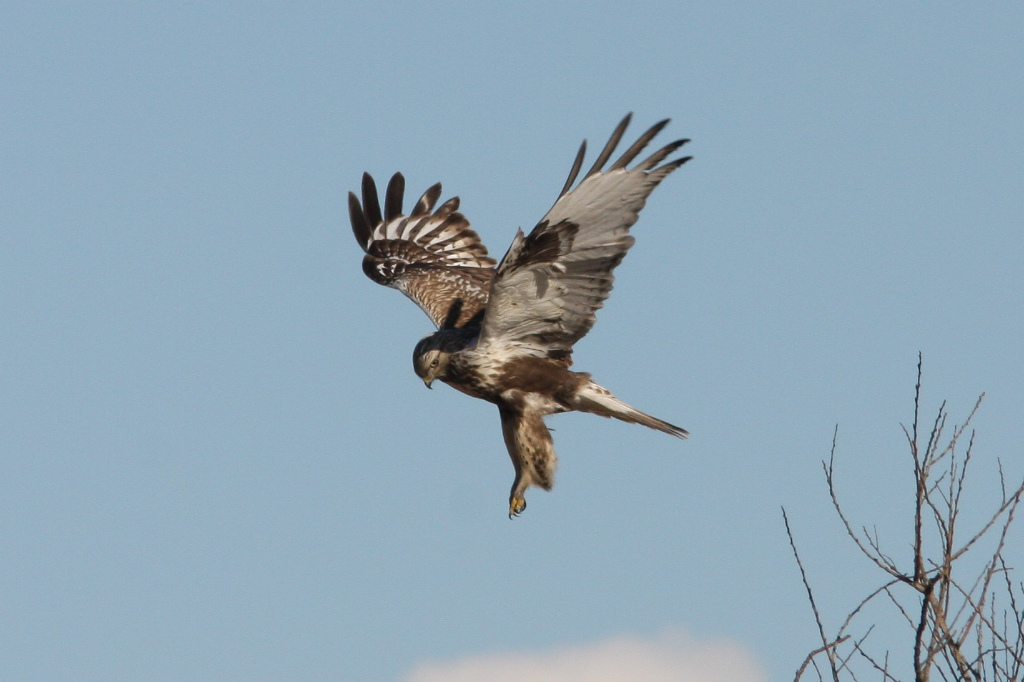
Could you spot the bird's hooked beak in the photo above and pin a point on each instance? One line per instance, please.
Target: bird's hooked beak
(427, 382)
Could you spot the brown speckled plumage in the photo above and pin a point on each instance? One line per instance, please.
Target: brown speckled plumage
(506, 332)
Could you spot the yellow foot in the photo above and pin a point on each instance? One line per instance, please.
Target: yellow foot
(516, 505)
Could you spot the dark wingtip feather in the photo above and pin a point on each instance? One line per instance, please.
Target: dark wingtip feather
(360, 227)
(661, 172)
(448, 207)
(660, 155)
(613, 142)
(639, 145)
(426, 203)
(575, 169)
(393, 197)
(371, 203)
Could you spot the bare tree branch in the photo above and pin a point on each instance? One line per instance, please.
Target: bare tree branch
(826, 646)
(810, 656)
(958, 632)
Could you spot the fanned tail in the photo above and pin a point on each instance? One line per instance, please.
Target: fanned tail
(599, 400)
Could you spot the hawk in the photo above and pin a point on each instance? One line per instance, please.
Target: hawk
(505, 331)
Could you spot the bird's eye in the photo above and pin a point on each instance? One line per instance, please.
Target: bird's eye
(434, 363)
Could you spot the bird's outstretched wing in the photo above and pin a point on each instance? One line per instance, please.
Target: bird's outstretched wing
(550, 283)
(433, 257)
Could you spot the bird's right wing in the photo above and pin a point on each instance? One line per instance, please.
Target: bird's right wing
(435, 259)
(551, 282)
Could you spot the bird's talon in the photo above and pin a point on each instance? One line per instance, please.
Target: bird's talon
(516, 505)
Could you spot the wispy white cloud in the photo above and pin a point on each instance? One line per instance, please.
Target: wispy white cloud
(671, 657)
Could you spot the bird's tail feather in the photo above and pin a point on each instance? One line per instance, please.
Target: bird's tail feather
(599, 400)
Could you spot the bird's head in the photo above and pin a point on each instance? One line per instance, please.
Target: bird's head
(430, 359)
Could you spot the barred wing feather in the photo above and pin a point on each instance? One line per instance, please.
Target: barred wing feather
(551, 282)
(431, 256)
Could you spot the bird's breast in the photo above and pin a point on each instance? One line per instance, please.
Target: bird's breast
(531, 383)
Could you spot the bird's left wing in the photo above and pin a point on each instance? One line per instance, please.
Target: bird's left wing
(551, 282)
(433, 257)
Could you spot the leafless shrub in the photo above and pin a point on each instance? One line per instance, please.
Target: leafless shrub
(963, 628)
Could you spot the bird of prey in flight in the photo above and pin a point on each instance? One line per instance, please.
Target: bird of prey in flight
(505, 332)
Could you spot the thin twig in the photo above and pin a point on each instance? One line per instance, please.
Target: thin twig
(827, 647)
(810, 656)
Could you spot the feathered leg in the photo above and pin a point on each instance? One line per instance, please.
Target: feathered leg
(532, 451)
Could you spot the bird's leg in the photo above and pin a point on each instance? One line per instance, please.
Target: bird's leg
(516, 504)
(517, 498)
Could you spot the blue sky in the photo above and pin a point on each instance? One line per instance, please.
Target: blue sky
(216, 462)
